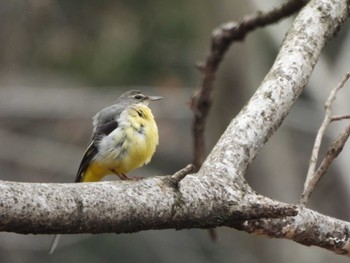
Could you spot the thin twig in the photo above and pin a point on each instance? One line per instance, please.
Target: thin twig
(340, 117)
(311, 181)
(179, 175)
(332, 153)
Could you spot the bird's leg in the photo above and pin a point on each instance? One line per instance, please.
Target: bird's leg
(136, 178)
(124, 177)
(120, 175)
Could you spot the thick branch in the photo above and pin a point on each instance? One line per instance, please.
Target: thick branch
(221, 40)
(155, 204)
(298, 229)
(264, 113)
(129, 206)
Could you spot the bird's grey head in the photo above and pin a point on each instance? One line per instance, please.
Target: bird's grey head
(127, 99)
(135, 97)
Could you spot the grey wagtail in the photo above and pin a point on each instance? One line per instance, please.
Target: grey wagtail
(124, 137)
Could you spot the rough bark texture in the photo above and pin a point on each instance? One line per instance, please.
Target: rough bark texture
(307, 228)
(122, 207)
(217, 195)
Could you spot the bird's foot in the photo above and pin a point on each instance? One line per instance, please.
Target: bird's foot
(125, 177)
(136, 178)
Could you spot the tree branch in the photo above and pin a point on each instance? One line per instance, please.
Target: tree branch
(221, 40)
(332, 153)
(217, 195)
(340, 117)
(298, 229)
(123, 207)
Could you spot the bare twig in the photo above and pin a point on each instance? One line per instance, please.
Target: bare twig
(179, 175)
(340, 117)
(312, 178)
(332, 153)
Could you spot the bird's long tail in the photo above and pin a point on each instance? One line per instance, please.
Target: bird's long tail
(54, 243)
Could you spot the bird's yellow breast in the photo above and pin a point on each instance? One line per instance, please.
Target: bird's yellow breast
(141, 139)
(128, 147)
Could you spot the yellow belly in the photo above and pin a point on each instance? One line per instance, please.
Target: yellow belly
(95, 172)
(133, 146)
(138, 148)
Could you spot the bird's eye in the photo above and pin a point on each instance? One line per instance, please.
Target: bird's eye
(138, 97)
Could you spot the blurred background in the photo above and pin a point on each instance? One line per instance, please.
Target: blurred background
(61, 61)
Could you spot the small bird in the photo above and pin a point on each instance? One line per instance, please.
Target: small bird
(124, 137)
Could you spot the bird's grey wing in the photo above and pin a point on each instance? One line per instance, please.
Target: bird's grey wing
(105, 120)
(104, 123)
(92, 148)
